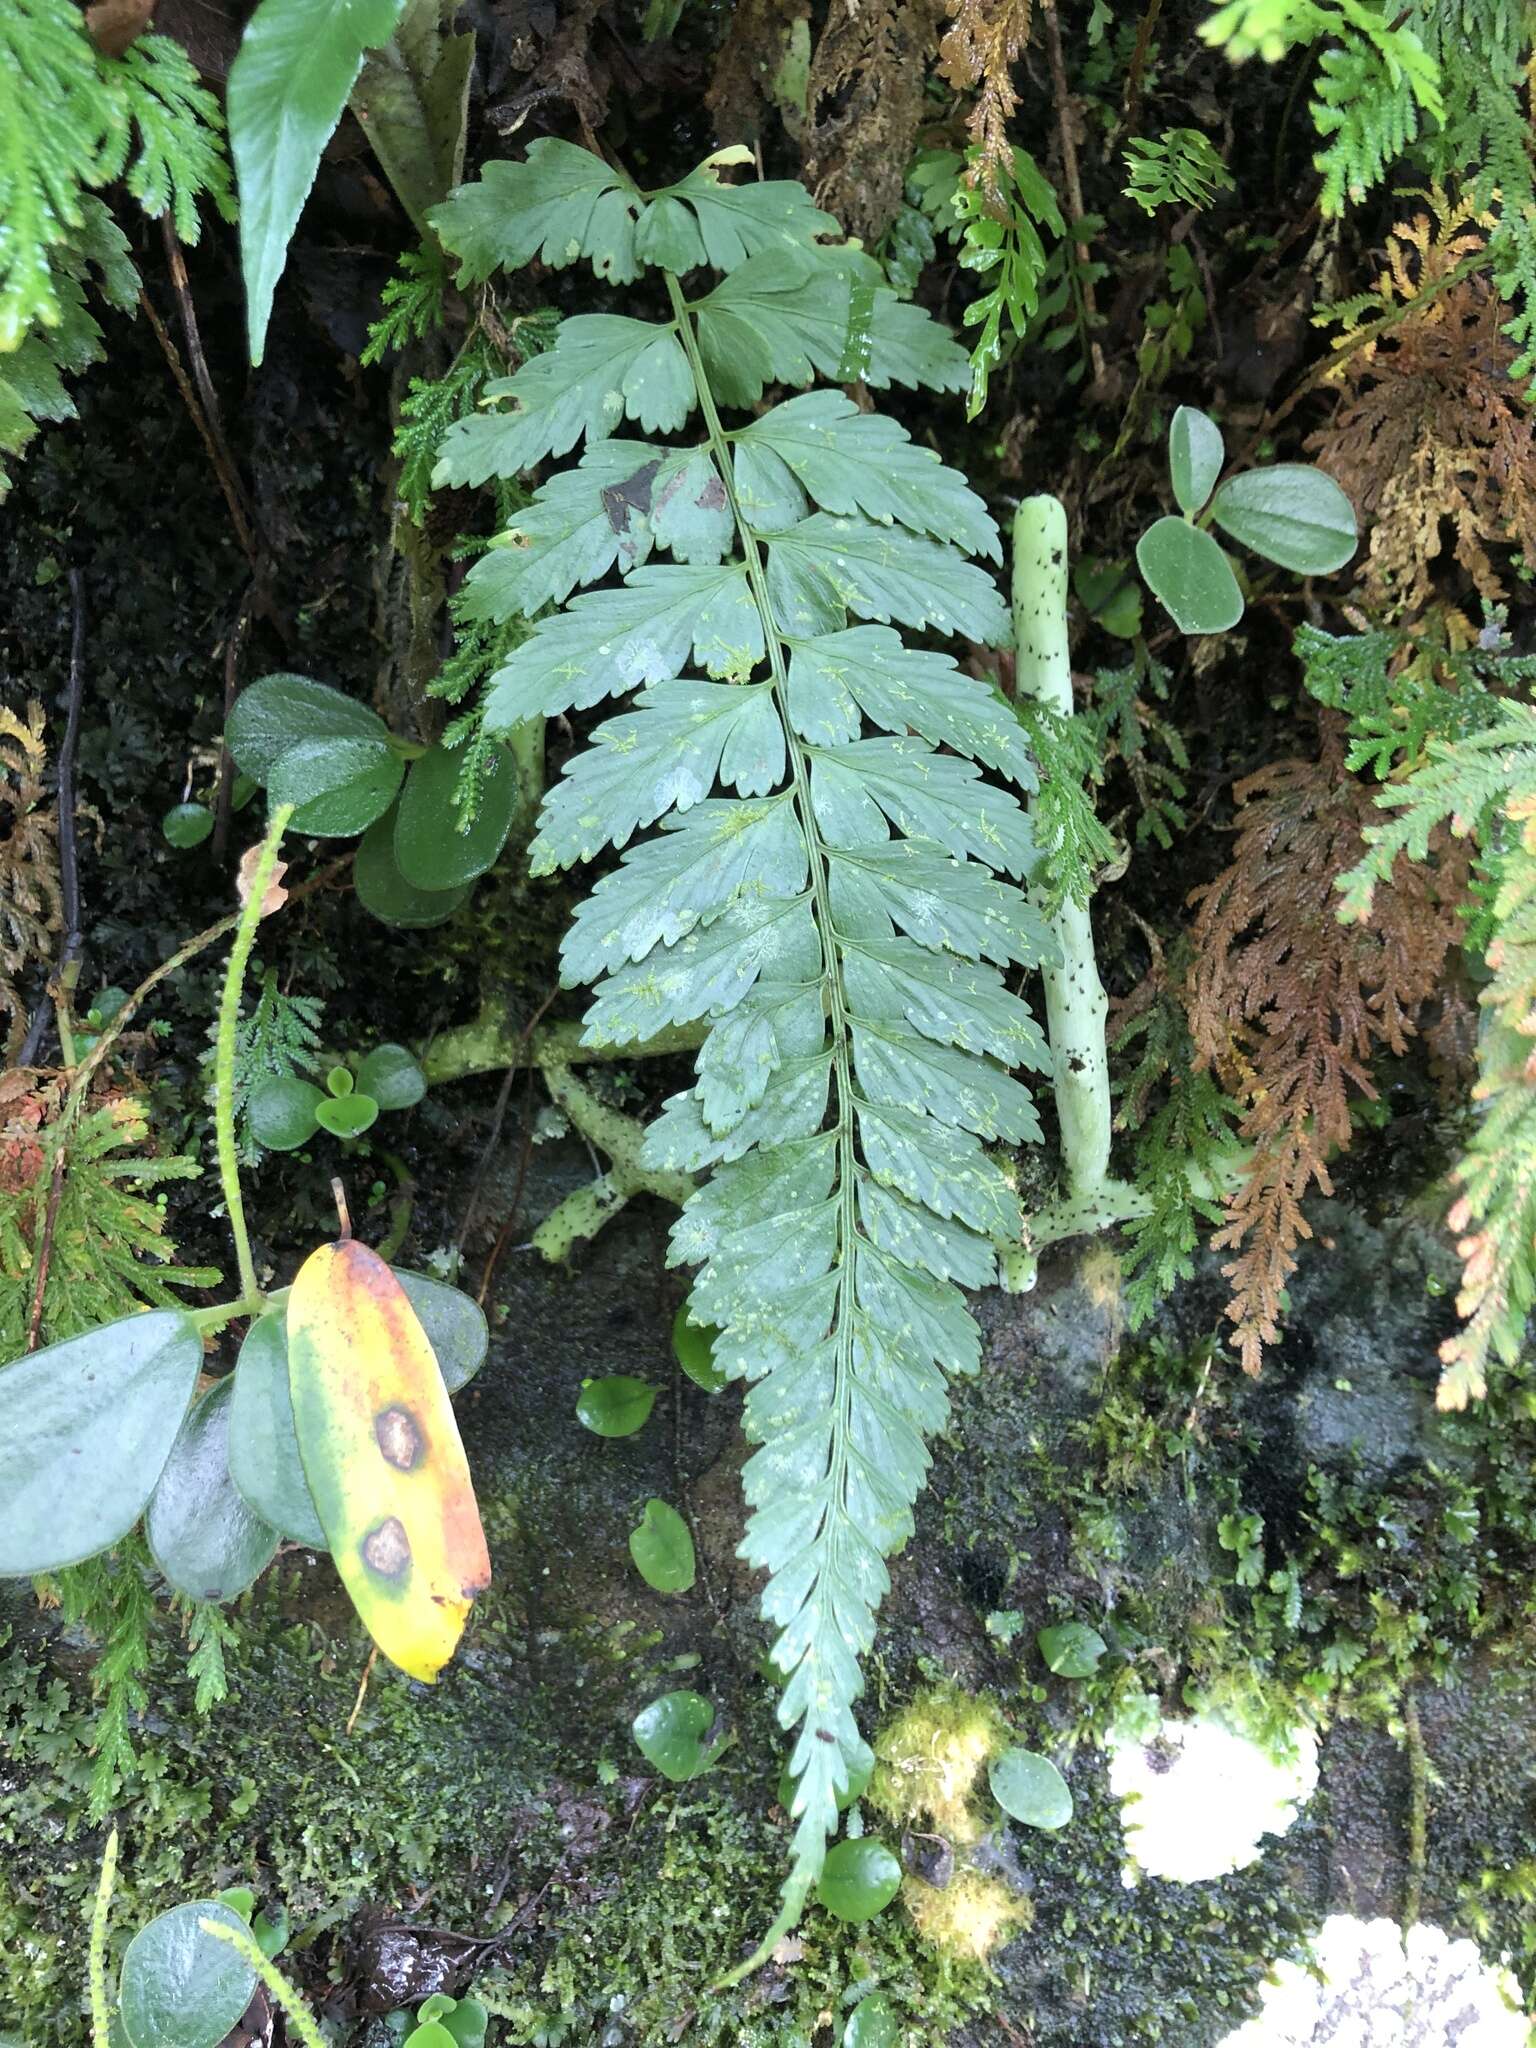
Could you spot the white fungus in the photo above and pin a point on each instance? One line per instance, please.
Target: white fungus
(1198, 1797)
(1369, 1987)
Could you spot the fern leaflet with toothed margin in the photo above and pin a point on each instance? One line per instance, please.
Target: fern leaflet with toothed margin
(833, 884)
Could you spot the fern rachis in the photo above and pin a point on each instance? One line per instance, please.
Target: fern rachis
(837, 920)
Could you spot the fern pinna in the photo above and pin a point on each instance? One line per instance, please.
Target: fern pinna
(836, 911)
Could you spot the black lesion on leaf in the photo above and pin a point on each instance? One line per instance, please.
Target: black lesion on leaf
(633, 495)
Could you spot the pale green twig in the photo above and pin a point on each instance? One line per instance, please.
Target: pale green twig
(101, 2008)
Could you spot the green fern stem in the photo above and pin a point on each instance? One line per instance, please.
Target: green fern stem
(101, 2004)
(296, 2014)
(1075, 1003)
(803, 1872)
(224, 1053)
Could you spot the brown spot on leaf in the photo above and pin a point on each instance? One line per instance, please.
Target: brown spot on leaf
(399, 1438)
(387, 1549)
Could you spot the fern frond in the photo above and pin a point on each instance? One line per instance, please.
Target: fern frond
(1180, 168)
(168, 139)
(827, 890)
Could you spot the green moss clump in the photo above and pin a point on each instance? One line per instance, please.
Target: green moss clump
(929, 1761)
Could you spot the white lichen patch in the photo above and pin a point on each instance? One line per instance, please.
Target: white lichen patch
(1368, 1987)
(1198, 1798)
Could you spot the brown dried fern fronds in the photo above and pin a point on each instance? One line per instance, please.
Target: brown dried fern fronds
(31, 901)
(978, 55)
(1430, 430)
(1289, 1007)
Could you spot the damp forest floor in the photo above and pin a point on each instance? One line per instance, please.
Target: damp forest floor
(1319, 1541)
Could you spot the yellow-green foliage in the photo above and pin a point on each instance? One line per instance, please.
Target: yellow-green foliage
(930, 1761)
(969, 1916)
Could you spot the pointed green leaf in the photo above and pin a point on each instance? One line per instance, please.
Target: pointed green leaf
(89, 1424)
(1291, 514)
(207, 1541)
(1189, 576)
(856, 462)
(264, 1460)
(297, 62)
(738, 221)
(562, 204)
(1195, 456)
(880, 572)
(575, 529)
(693, 1347)
(924, 794)
(662, 1549)
(187, 825)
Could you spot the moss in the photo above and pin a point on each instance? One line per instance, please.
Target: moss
(967, 1917)
(930, 1758)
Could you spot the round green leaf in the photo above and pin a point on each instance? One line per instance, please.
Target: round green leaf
(393, 1077)
(675, 1735)
(88, 1426)
(455, 1326)
(1071, 1649)
(1195, 456)
(180, 1987)
(204, 1536)
(1031, 1789)
(432, 2034)
(1292, 514)
(339, 1081)
(346, 1116)
(693, 1345)
(187, 824)
(431, 851)
(383, 890)
(662, 1547)
(278, 712)
(858, 1880)
(858, 1785)
(872, 2024)
(1190, 577)
(282, 1112)
(616, 1406)
(466, 2020)
(264, 1459)
(339, 786)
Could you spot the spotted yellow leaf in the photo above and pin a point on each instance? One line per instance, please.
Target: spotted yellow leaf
(382, 1455)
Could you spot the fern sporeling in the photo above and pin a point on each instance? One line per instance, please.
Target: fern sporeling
(838, 919)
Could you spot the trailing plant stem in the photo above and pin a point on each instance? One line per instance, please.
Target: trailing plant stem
(224, 1052)
(1075, 1003)
(101, 2004)
(798, 1885)
(296, 2014)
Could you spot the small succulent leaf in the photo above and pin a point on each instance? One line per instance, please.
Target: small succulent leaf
(89, 1424)
(180, 1987)
(606, 642)
(382, 1455)
(1029, 1788)
(384, 891)
(693, 1345)
(337, 786)
(858, 1880)
(346, 1116)
(1290, 513)
(187, 825)
(873, 2024)
(603, 369)
(264, 1460)
(676, 1736)
(1189, 576)
(206, 1539)
(1195, 456)
(662, 1548)
(667, 754)
(467, 2021)
(431, 850)
(862, 463)
(288, 85)
(615, 1406)
(392, 1075)
(282, 1112)
(1071, 1649)
(276, 713)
